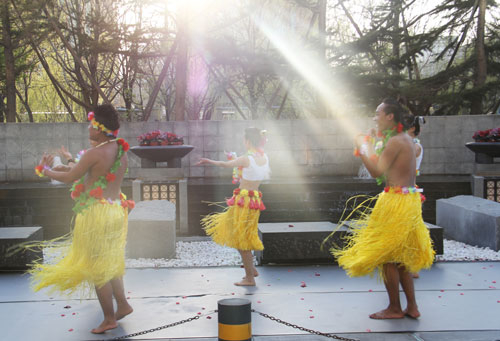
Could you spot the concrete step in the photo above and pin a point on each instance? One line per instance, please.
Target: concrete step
(300, 242)
(11, 236)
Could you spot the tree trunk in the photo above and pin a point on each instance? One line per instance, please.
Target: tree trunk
(396, 38)
(10, 72)
(476, 107)
(181, 66)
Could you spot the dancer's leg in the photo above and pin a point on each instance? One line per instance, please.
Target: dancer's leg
(406, 280)
(105, 296)
(393, 311)
(247, 258)
(123, 308)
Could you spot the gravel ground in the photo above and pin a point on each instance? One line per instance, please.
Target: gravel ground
(207, 253)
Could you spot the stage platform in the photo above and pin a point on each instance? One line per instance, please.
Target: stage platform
(458, 301)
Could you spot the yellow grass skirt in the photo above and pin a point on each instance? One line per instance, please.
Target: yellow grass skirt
(237, 226)
(91, 255)
(393, 232)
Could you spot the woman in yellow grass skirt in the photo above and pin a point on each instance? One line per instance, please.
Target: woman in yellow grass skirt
(92, 255)
(237, 226)
(392, 236)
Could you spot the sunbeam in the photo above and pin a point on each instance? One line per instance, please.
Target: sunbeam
(312, 68)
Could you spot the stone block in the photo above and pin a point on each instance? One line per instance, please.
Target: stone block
(299, 142)
(60, 132)
(195, 128)
(11, 236)
(76, 145)
(322, 157)
(13, 131)
(13, 147)
(196, 171)
(436, 233)
(181, 128)
(432, 168)
(312, 127)
(436, 124)
(486, 169)
(435, 155)
(78, 131)
(194, 156)
(233, 129)
(14, 174)
(210, 143)
(151, 230)
(277, 128)
(471, 220)
(458, 168)
(301, 242)
(344, 141)
(210, 128)
(297, 242)
(167, 127)
(279, 143)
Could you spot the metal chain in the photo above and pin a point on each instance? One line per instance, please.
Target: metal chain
(160, 328)
(332, 336)
(272, 318)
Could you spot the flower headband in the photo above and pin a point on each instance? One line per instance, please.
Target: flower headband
(99, 126)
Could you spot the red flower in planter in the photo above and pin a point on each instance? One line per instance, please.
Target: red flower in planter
(157, 138)
(489, 135)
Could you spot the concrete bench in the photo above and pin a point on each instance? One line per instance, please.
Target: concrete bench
(151, 230)
(10, 236)
(297, 242)
(471, 220)
(300, 242)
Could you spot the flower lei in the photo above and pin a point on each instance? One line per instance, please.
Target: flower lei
(39, 170)
(99, 126)
(238, 171)
(84, 198)
(386, 135)
(379, 146)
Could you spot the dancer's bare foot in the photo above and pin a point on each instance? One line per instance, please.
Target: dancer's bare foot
(105, 325)
(413, 313)
(121, 312)
(248, 282)
(415, 275)
(387, 314)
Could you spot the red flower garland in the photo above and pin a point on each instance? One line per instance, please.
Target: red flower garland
(110, 177)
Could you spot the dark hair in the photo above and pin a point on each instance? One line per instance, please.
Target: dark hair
(254, 136)
(393, 106)
(107, 115)
(417, 120)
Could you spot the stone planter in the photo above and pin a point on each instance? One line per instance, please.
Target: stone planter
(485, 151)
(150, 155)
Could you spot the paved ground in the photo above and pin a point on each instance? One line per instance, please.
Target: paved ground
(458, 301)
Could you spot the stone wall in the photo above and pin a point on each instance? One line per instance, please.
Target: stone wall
(295, 147)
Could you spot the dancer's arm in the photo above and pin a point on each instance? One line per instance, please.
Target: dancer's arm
(241, 161)
(74, 173)
(377, 166)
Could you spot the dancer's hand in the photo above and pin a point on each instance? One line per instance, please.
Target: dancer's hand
(65, 153)
(61, 168)
(359, 140)
(47, 160)
(203, 161)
